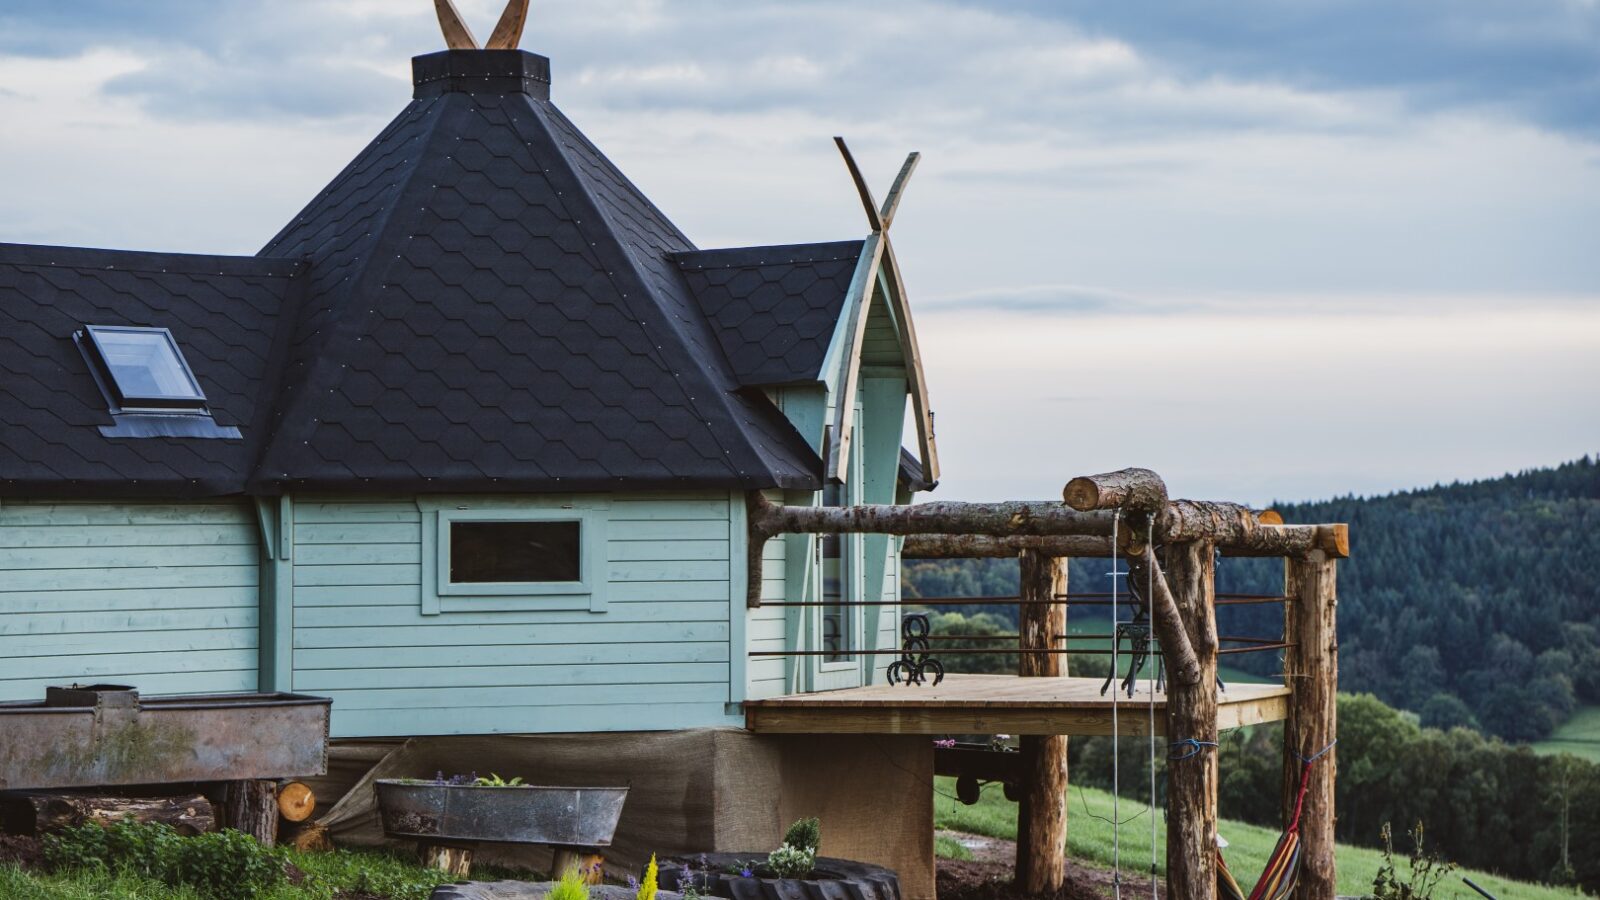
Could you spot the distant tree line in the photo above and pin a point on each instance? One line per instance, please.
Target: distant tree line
(1471, 605)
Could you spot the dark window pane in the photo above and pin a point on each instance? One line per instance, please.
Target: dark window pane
(483, 552)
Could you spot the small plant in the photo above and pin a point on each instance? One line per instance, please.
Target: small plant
(496, 781)
(792, 862)
(1426, 870)
(228, 865)
(647, 887)
(804, 834)
(572, 886)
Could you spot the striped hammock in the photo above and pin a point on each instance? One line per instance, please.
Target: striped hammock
(1282, 873)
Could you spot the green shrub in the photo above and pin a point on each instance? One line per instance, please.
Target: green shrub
(228, 865)
(805, 834)
(792, 862)
(572, 886)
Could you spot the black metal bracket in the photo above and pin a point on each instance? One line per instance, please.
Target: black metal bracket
(915, 662)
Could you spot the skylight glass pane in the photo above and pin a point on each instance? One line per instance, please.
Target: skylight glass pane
(146, 366)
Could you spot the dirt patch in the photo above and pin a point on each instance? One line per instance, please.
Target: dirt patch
(21, 850)
(989, 875)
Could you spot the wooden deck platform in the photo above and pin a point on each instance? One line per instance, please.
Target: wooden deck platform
(995, 704)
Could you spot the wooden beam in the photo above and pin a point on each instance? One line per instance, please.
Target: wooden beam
(975, 546)
(1012, 517)
(1042, 812)
(1311, 663)
(921, 410)
(1139, 490)
(1145, 574)
(891, 203)
(874, 217)
(457, 36)
(858, 306)
(1292, 541)
(1192, 714)
(508, 31)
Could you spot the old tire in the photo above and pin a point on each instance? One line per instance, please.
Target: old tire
(833, 879)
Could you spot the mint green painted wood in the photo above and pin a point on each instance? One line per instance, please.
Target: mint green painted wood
(533, 719)
(510, 655)
(548, 675)
(275, 660)
(441, 634)
(164, 596)
(883, 402)
(364, 636)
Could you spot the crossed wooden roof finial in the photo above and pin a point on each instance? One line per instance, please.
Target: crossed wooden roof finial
(879, 218)
(507, 32)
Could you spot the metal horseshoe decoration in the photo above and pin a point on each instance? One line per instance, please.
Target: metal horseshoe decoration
(915, 663)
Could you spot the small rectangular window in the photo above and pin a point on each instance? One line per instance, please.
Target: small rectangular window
(501, 552)
(144, 366)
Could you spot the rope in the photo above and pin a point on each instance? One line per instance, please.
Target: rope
(1196, 747)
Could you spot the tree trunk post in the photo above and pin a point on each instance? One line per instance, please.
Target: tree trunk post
(251, 807)
(1192, 715)
(1311, 663)
(454, 859)
(1042, 810)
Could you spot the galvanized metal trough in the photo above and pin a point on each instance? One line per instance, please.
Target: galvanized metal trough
(106, 734)
(525, 814)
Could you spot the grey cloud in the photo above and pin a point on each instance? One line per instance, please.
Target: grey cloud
(1537, 60)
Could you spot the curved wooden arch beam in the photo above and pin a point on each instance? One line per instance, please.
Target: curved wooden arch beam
(508, 32)
(868, 203)
(457, 36)
(897, 191)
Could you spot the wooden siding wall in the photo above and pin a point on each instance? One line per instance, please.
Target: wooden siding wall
(766, 628)
(657, 659)
(162, 596)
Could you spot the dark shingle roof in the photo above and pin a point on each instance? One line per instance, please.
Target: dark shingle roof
(479, 301)
(226, 314)
(493, 308)
(774, 309)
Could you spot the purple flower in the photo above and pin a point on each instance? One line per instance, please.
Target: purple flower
(947, 743)
(746, 872)
(633, 883)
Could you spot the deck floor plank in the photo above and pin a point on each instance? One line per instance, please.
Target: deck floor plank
(996, 704)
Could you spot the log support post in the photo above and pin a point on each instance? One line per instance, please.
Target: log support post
(1042, 809)
(454, 859)
(251, 807)
(1311, 664)
(1192, 715)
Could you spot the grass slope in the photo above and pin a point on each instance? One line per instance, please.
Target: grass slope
(1089, 834)
(1579, 735)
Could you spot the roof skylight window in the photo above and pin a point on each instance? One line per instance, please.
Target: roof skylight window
(144, 367)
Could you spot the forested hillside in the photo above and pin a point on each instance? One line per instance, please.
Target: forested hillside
(1470, 604)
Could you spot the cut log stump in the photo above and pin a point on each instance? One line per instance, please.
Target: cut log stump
(590, 863)
(296, 802)
(251, 807)
(453, 859)
(40, 813)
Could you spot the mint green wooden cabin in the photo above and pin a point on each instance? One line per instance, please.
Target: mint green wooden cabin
(465, 448)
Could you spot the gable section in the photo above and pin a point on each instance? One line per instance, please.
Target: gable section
(774, 309)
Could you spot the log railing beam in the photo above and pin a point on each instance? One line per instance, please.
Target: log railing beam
(976, 546)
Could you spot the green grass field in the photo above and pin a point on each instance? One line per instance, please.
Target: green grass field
(1089, 837)
(1579, 735)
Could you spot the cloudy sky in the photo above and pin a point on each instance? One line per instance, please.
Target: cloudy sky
(1271, 249)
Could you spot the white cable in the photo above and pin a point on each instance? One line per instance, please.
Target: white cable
(1116, 816)
(1155, 666)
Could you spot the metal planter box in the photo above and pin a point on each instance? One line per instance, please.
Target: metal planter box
(526, 814)
(106, 735)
